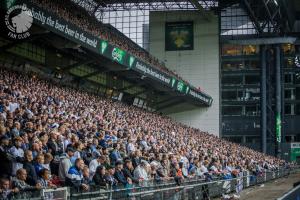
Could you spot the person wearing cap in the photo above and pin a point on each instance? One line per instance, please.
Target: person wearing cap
(17, 152)
(65, 163)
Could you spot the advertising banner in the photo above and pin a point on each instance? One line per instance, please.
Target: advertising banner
(179, 36)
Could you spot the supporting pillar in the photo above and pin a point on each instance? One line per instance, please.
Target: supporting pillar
(263, 92)
(278, 100)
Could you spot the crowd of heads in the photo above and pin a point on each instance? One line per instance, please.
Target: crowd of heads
(89, 23)
(52, 136)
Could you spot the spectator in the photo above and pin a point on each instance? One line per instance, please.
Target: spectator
(30, 169)
(5, 190)
(128, 171)
(119, 175)
(47, 160)
(44, 180)
(86, 176)
(17, 152)
(110, 179)
(115, 154)
(99, 177)
(140, 173)
(19, 181)
(5, 158)
(38, 166)
(95, 163)
(98, 126)
(52, 143)
(65, 164)
(74, 177)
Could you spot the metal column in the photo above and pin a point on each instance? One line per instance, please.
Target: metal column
(263, 92)
(278, 100)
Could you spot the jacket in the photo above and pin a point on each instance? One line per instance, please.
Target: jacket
(31, 173)
(120, 177)
(129, 174)
(64, 166)
(74, 178)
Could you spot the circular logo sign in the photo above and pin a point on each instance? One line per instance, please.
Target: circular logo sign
(18, 20)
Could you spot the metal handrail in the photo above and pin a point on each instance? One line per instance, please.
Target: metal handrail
(221, 186)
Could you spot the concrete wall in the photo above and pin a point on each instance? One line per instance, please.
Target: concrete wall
(200, 66)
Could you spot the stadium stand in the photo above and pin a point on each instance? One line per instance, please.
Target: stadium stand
(54, 136)
(84, 141)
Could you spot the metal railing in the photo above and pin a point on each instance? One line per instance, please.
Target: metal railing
(189, 190)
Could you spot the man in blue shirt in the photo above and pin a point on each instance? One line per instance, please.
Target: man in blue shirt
(115, 154)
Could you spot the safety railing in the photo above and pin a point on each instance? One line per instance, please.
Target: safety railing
(190, 189)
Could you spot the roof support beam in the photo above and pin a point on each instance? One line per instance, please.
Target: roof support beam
(252, 16)
(203, 12)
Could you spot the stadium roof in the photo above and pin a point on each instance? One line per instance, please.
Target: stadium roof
(272, 16)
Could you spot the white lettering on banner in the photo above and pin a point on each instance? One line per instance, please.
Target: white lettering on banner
(38, 15)
(148, 70)
(92, 43)
(198, 96)
(69, 31)
(50, 22)
(62, 27)
(295, 145)
(59, 26)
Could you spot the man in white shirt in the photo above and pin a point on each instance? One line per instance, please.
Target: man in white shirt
(140, 172)
(13, 106)
(17, 152)
(130, 146)
(95, 163)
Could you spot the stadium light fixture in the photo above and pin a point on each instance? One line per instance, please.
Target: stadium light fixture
(276, 3)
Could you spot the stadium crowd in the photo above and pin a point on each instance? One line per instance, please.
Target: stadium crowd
(89, 23)
(52, 136)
